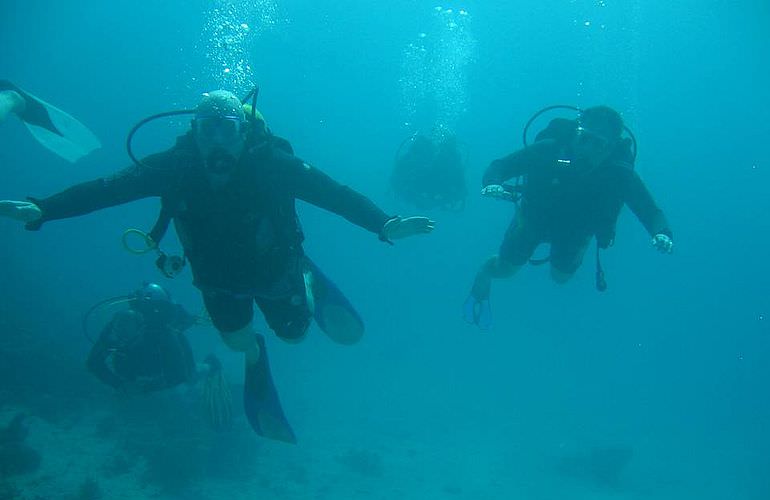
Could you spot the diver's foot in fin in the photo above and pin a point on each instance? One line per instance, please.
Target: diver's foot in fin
(261, 403)
(478, 312)
(332, 311)
(55, 129)
(10, 102)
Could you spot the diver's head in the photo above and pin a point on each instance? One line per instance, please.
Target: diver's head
(219, 128)
(153, 301)
(598, 132)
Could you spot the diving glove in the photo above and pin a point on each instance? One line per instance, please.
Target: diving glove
(22, 211)
(663, 243)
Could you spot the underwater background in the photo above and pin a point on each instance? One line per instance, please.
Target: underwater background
(657, 388)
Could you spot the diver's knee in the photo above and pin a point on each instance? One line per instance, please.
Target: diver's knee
(292, 340)
(293, 332)
(561, 277)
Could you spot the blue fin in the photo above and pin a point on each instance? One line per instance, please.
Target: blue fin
(332, 311)
(478, 312)
(53, 128)
(260, 400)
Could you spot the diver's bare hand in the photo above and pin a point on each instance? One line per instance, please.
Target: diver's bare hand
(497, 192)
(404, 227)
(22, 211)
(663, 243)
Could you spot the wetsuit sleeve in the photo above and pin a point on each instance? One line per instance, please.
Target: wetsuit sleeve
(642, 204)
(97, 358)
(313, 186)
(518, 163)
(127, 185)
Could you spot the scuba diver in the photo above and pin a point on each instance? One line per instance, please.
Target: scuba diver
(430, 173)
(577, 176)
(50, 126)
(231, 187)
(142, 349)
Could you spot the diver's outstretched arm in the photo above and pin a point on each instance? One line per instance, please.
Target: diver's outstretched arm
(22, 211)
(132, 183)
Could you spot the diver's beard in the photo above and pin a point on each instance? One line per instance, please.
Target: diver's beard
(219, 164)
(220, 161)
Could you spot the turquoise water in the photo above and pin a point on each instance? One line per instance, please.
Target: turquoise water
(659, 384)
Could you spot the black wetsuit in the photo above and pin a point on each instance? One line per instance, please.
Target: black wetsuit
(134, 350)
(565, 207)
(244, 241)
